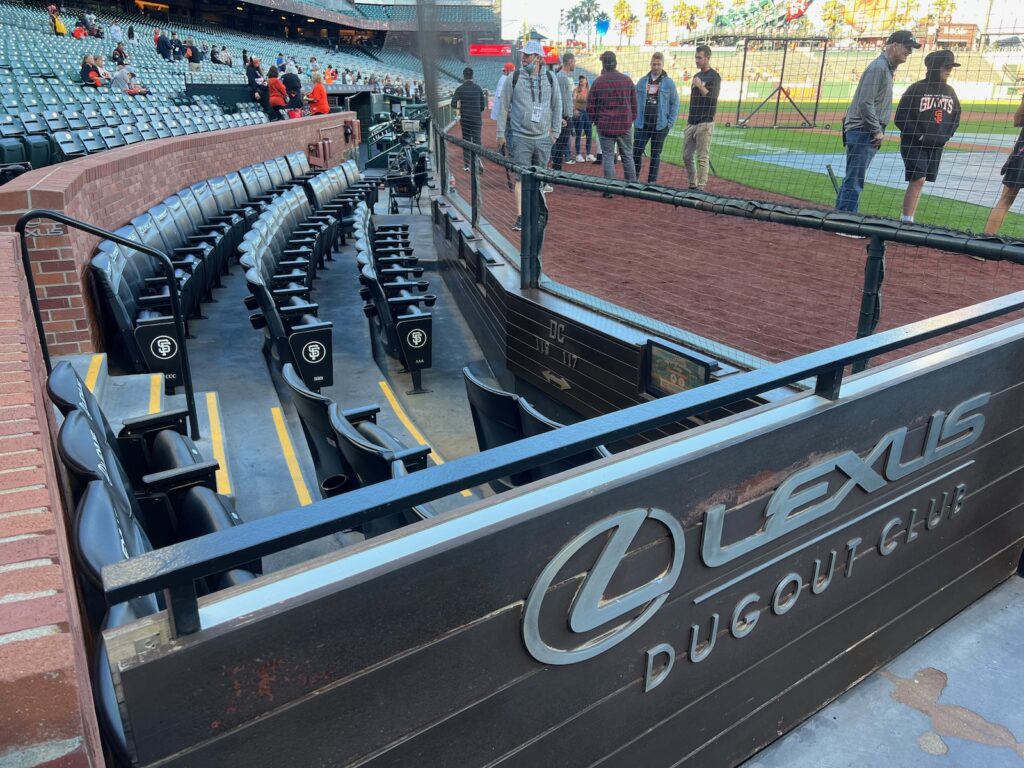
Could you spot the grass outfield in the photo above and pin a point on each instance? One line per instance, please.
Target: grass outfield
(729, 145)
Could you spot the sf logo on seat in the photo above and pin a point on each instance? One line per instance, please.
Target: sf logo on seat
(313, 352)
(164, 347)
(416, 338)
(591, 608)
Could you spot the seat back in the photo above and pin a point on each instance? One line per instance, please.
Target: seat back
(298, 162)
(277, 178)
(536, 423)
(91, 140)
(253, 186)
(496, 413)
(67, 392)
(333, 472)
(206, 200)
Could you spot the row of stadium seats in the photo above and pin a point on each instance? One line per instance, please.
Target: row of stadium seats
(167, 495)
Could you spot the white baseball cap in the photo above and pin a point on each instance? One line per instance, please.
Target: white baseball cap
(533, 47)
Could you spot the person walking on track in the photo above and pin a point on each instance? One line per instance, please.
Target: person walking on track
(471, 101)
(868, 114)
(561, 152)
(705, 87)
(529, 116)
(612, 108)
(657, 109)
(927, 116)
(1013, 176)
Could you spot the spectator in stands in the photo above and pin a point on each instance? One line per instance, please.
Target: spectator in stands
(293, 87)
(657, 109)
(120, 54)
(56, 21)
(245, 58)
(124, 81)
(496, 104)
(279, 61)
(116, 34)
(101, 68)
(156, 37)
(581, 119)
(560, 152)
(193, 55)
(314, 65)
(330, 75)
(89, 73)
(163, 45)
(257, 83)
(131, 33)
(704, 90)
(214, 55)
(277, 95)
(291, 68)
(530, 116)
(612, 108)
(927, 116)
(867, 115)
(1013, 176)
(177, 47)
(471, 101)
(225, 56)
(317, 98)
(79, 32)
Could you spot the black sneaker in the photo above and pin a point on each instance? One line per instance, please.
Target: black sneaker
(607, 194)
(518, 226)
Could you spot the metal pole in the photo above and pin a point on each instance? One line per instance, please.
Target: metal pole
(821, 80)
(474, 189)
(743, 73)
(529, 271)
(782, 87)
(172, 290)
(871, 297)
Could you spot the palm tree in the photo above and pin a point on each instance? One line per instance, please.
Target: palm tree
(620, 12)
(655, 12)
(602, 16)
(589, 12)
(712, 8)
(685, 15)
(833, 13)
(628, 25)
(943, 8)
(574, 21)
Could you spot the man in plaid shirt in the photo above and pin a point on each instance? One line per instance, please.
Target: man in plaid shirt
(612, 108)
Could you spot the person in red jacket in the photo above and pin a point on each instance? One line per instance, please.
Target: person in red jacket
(611, 106)
(276, 93)
(317, 98)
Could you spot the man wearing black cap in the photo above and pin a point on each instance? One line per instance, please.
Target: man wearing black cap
(927, 116)
(866, 118)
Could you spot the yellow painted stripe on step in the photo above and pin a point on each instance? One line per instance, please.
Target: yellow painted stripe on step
(156, 386)
(404, 418)
(217, 440)
(289, 457)
(94, 372)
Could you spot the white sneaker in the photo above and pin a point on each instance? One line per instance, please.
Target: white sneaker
(591, 159)
(570, 161)
(579, 158)
(547, 188)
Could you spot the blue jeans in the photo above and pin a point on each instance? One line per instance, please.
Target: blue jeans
(859, 154)
(581, 127)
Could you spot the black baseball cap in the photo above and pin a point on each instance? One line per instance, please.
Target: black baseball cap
(904, 37)
(940, 60)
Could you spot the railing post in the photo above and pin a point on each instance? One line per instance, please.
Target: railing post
(442, 159)
(529, 270)
(474, 188)
(182, 609)
(871, 297)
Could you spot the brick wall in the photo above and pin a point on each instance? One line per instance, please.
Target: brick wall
(109, 188)
(46, 708)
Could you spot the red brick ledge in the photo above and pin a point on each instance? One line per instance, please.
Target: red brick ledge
(46, 708)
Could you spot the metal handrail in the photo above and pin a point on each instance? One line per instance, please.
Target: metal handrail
(172, 289)
(176, 567)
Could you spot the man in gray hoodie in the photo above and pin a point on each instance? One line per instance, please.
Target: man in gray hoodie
(564, 78)
(530, 115)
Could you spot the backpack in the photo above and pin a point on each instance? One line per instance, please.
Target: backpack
(512, 93)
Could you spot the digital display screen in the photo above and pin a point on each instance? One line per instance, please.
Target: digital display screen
(671, 369)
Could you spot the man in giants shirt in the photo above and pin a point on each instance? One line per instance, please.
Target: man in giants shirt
(657, 104)
(927, 116)
(703, 102)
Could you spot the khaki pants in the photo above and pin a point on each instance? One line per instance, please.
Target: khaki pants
(697, 138)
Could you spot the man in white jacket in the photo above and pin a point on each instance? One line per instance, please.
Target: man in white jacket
(507, 70)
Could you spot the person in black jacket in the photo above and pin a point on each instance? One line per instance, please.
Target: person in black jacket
(470, 100)
(293, 85)
(1013, 176)
(927, 116)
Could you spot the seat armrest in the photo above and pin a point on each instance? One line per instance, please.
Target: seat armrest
(172, 419)
(203, 473)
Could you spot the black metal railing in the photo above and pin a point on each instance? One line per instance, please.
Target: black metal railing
(172, 288)
(175, 569)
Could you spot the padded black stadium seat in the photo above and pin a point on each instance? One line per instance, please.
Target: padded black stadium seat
(90, 139)
(536, 423)
(144, 444)
(230, 225)
(497, 421)
(147, 233)
(11, 151)
(179, 231)
(38, 150)
(375, 455)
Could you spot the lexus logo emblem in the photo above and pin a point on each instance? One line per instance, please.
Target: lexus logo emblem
(592, 607)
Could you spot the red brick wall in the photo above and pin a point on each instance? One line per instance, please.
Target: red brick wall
(109, 188)
(46, 708)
